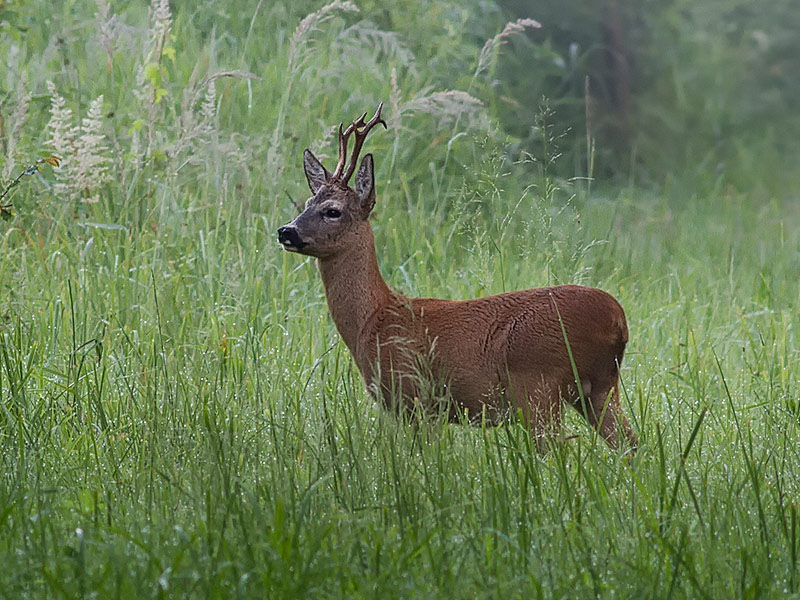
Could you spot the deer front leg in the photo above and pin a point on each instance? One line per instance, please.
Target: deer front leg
(537, 398)
(604, 413)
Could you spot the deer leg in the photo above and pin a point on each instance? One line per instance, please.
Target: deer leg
(537, 398)
(604, 413)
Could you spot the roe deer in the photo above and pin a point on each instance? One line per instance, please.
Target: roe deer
(492, 355)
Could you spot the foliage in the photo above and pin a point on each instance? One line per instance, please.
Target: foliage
(696, 88)
(178, 417)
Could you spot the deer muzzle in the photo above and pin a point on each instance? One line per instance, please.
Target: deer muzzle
(289, 238)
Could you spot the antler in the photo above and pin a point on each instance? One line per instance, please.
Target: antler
(361, 129)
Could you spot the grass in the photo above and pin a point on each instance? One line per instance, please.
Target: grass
(178, 417)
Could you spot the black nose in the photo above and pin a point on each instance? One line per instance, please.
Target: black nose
(289, 237)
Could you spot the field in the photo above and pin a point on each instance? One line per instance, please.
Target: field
(179, 418)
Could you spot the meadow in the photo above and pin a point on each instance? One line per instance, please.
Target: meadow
(178, 416)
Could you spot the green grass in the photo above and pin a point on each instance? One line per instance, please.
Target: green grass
(178, 417)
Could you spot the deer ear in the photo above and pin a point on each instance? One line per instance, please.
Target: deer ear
(365, 184)
(316, 174)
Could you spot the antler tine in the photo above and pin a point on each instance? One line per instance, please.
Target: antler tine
(343, 138)
(360, 121)
(360, 137)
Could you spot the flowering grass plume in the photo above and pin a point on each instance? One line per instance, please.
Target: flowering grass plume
(311, 23)
(160, 20)
(16, 122)
(446, 105)
(91, 168)
(488, 51)
(108, 30)
(85, 162)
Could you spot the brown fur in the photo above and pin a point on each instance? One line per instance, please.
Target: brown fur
(491, 355)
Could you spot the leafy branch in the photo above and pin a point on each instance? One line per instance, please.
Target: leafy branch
(5, 209)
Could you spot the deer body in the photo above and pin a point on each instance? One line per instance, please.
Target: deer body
(490, 356)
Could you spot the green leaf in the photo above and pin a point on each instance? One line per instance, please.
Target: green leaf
(160, 93)
(152, 73)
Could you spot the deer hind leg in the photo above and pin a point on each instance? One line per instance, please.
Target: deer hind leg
(603, 411)
(538, 399)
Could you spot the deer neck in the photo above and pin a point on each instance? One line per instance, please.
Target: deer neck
(354, 288)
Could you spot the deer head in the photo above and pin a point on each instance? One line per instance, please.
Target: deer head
(336, 214)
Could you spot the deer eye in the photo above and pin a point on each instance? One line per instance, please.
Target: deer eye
(332, 213)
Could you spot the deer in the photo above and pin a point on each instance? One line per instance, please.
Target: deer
(528, 353)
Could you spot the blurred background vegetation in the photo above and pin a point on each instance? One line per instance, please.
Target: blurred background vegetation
(679, 89)
(681, 92)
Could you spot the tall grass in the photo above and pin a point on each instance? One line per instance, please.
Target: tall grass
(178, 417)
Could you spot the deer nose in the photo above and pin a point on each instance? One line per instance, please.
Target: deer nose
(289, 237)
